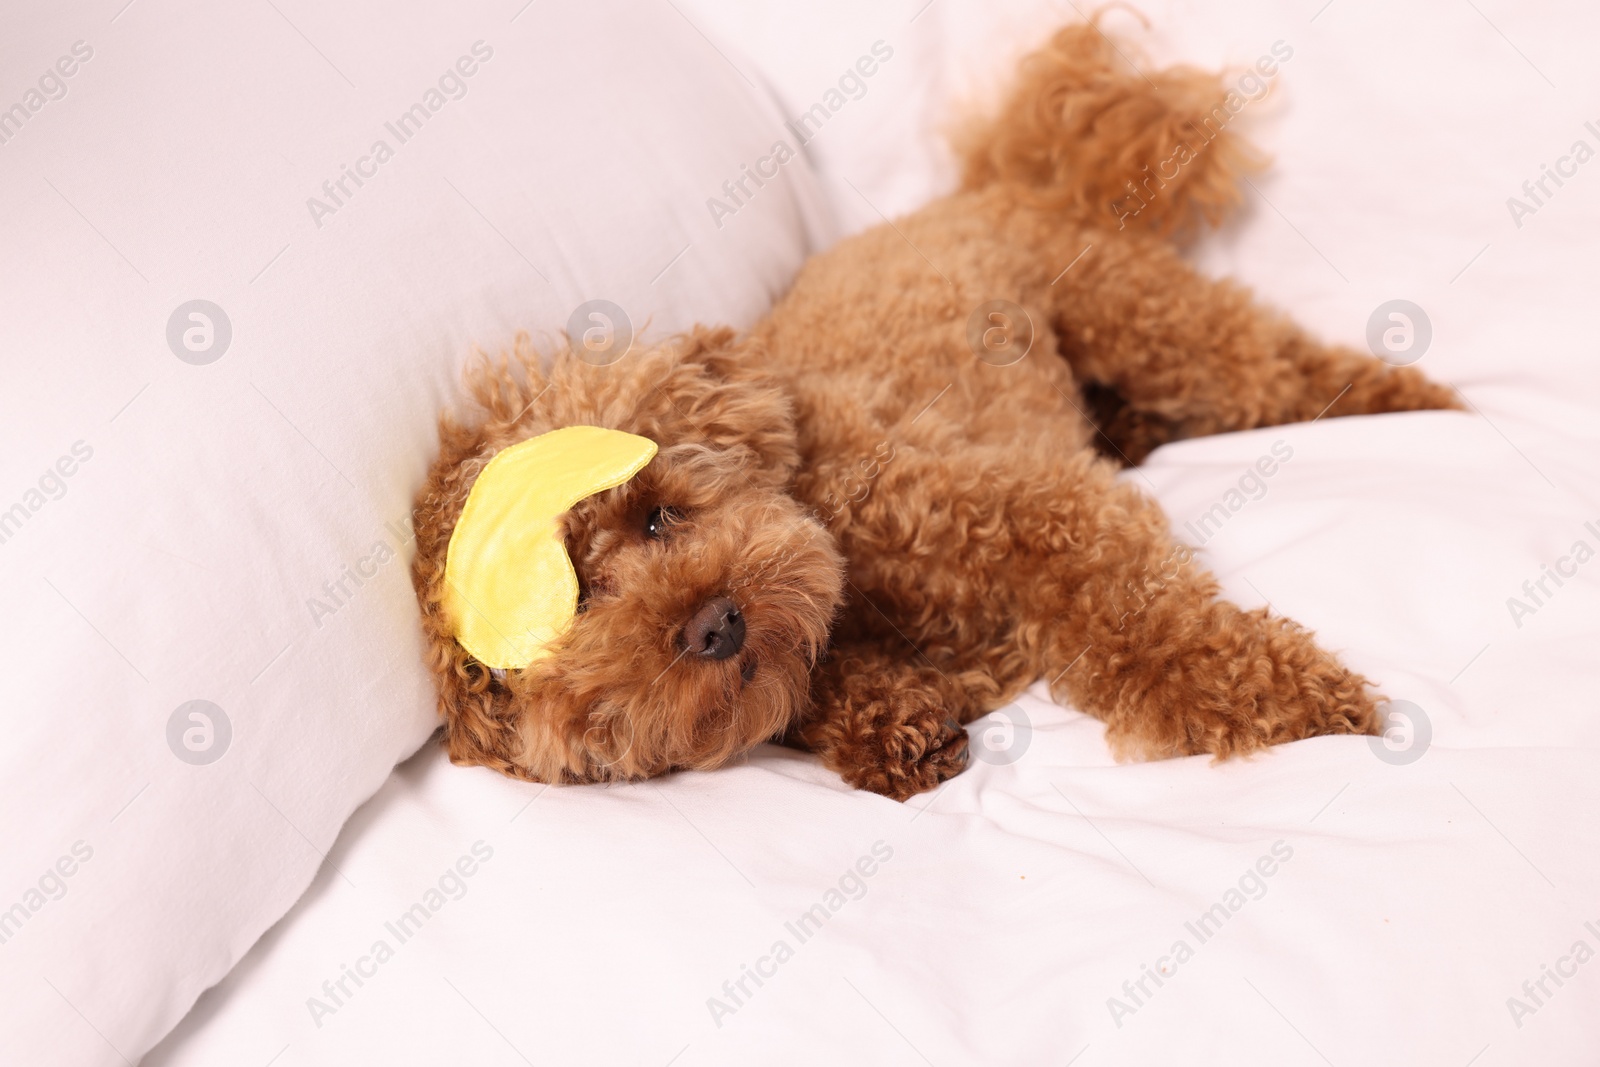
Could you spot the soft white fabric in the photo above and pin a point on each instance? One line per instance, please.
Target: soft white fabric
(193, 542)
(1415, 899)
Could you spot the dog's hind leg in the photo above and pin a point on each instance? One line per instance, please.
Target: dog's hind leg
(1172, 354)
(1102, 165)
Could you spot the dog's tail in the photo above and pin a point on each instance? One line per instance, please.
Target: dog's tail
(1083, 130)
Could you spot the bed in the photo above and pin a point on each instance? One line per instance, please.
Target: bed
(1432, 896)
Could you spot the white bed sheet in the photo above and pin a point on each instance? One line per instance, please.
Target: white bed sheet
(1010, 916)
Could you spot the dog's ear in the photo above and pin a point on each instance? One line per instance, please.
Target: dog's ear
(720, 385)
(475, 706)
(480, 725)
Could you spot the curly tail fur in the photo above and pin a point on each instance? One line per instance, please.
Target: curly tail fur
(1084, 131)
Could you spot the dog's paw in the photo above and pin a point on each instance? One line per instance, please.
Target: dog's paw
(1276, 686)
(908, 758)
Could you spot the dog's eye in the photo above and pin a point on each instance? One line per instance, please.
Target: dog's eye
(659, 519)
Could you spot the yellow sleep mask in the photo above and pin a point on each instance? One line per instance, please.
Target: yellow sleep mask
(509, 585)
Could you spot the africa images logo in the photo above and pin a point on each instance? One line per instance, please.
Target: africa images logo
(451, 85)
(852, 85)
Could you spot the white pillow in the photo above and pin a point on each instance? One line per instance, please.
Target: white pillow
(232, 319)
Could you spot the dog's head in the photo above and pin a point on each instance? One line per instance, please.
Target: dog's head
(706, 591)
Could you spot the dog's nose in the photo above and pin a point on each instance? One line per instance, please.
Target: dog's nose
(716, 631)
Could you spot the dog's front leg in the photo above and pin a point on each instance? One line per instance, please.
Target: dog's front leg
(885, 722)
(1136, 635)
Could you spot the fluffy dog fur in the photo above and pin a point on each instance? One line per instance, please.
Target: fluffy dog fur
(914, 534)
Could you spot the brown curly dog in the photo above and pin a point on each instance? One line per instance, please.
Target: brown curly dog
(884, 512)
